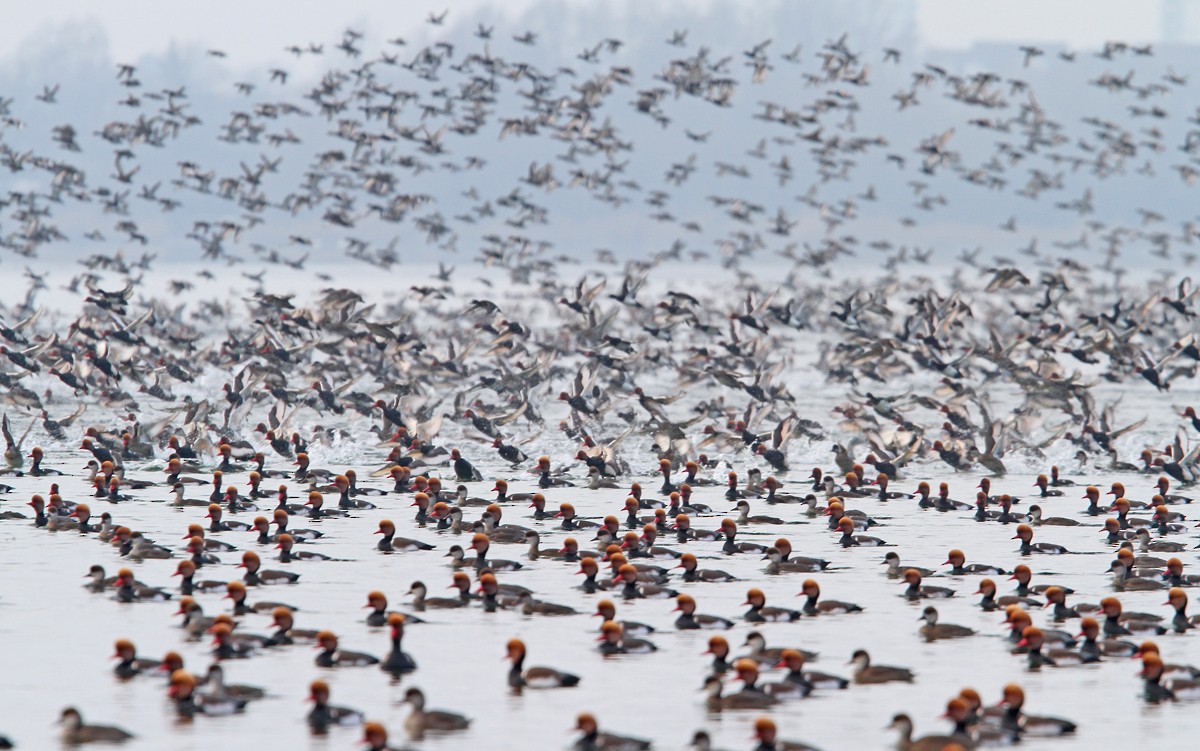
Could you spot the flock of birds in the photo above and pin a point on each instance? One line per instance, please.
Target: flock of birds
(642, 373)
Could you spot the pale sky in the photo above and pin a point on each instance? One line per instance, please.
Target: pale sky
(76, 44)
(257, 31)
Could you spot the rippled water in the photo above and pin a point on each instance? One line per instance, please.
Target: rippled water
(59, 635)
(460, 652)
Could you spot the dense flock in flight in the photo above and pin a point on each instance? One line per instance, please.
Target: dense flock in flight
(775, 343)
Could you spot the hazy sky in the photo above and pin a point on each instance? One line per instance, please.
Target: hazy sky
(253, 32)
(75, 46)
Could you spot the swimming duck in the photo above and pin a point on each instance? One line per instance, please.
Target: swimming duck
(536, 677)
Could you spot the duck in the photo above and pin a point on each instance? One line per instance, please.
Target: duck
(613, 641)
(884, 495)
(304, 472)
(375, 735)
(1174, 576)
(759, 612)
(729, 530)
(1169, 669)
(1153, 689)
(377, 601)
(194, 620)
(492, 597)
(546, 479)
(923, 492)
(186, 570)
(1124, 581)
(793, 661)
(957, 561)
(226, 647)
(315, 503)
(421, 721)
(778, 565)
(1092, 494)
(502, 494)
(895, 570)
(1025, 535)
(130, 665)
(36, 469)
(532, 606)
(536, 677)
(1164, 489)
(1057, 597)
(1178, 600)
(389, 543)
(866, 673)
(283, 621)
(1117, 491)
(768, 656)
(216, 524)
(596, 480)
(189, 703)
(1044, 490)
(589, 569)
(129, 589)
(1036, 519)
(480, 543)
(714, 701)
(534, 552)
(981, 512)
(903, 725)
(1115, 535)
(285, 544)
(180, 474)
(689, 619)
(354, 490)
(570, 521)
(836, 511)
(201, 555)
(743, 511)
(813, 605)
(774, 496)
(1093, 648)
(915, 591)
(280, 519)
(606, 610)
(691, 573)
(645, 545)
(702, 741)
(332, 657)
(849, 539)
(73, 731)
(421, 603)
(1032, 641)
(1122, 506)
(1057, 481)
(1119, 623)
(594, 740)
(945, 503)
(1015, 721)
(932, 630)
(767, 736)
(141, 549)
(784, 546)
(397, 661)
(1022, 575)
(219, 690)
(236, 591)
(323, 715)
(718, 647)
(256, 575)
